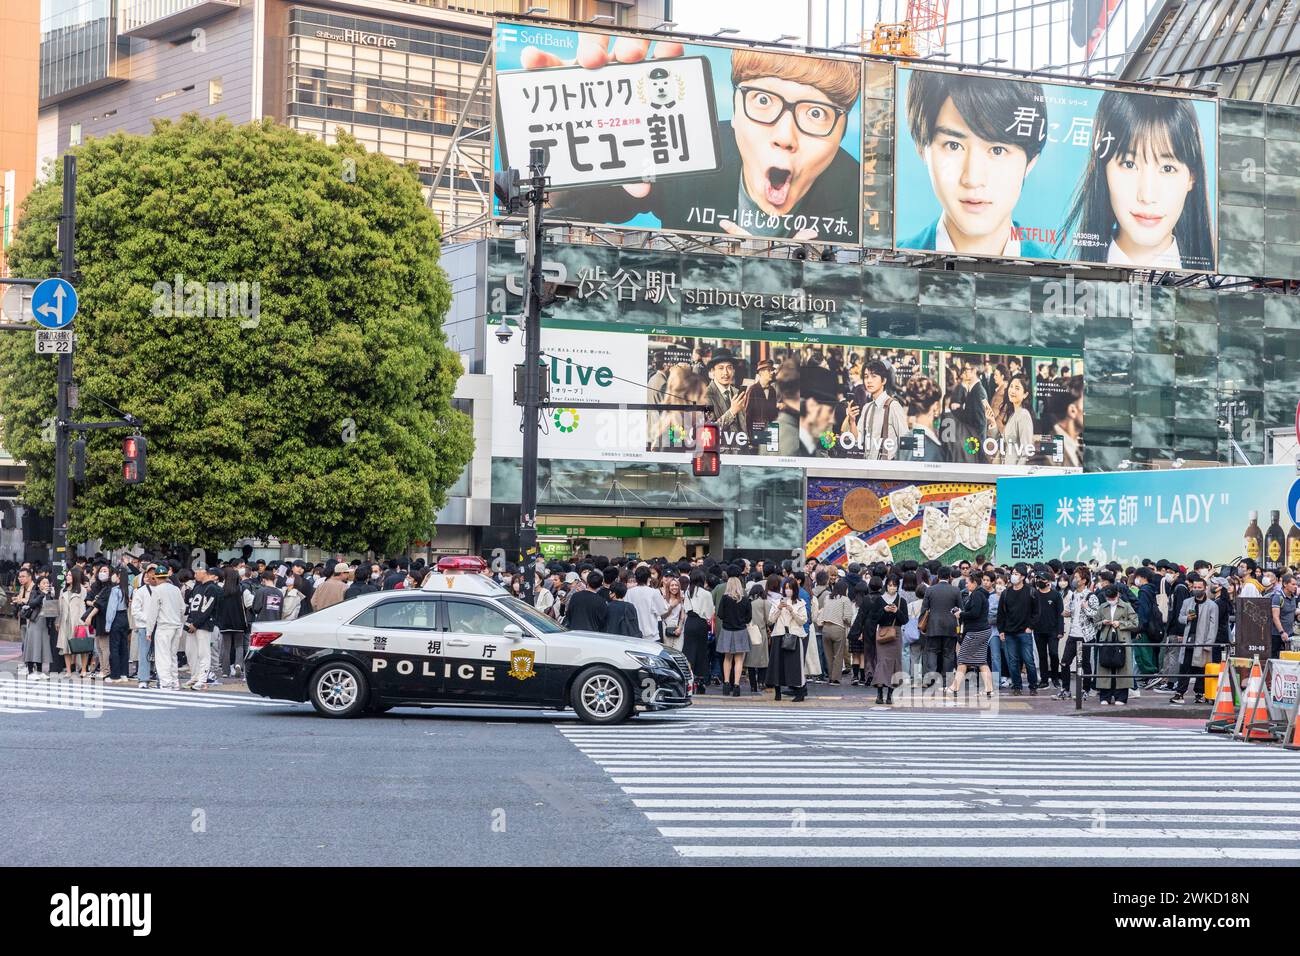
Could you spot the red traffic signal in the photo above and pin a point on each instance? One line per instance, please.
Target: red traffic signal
(133, 464)
(706, 438)
(706, 464)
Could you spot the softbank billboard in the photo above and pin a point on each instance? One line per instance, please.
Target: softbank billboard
(798, 399)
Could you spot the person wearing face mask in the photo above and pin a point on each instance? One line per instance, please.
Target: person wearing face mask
(295, 596)
(891, 615)
(787, 616)
(1017, 615)
(117, 626)
(1080, 604)
(365, 580)
(973, 650)
(1115, 621)
(1048, 629)
(1173, 593)
(1151, 627)
(96, 612)
(1200, 617)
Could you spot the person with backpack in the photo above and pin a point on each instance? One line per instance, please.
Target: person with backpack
(268, 600)
(1151, 627)
(231, 617)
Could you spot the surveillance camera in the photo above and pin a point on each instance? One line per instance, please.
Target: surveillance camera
(504, 332)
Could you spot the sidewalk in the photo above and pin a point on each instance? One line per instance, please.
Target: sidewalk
(845, 697)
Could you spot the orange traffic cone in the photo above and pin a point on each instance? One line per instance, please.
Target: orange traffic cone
(1224, 718)
(1252, 720)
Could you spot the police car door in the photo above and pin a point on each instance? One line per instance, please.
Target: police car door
(486, 664)
(401, 638)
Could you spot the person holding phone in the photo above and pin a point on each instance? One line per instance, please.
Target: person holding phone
(891, 615)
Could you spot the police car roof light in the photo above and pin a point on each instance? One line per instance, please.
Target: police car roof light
(461, 564)
(447, 581)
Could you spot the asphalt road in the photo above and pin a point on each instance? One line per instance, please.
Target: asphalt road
(280, 786)
(159, 778)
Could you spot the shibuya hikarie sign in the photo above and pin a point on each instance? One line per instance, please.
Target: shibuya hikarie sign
(1015, 168)
(659, 134)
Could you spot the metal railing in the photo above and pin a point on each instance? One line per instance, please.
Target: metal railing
(1089, 647)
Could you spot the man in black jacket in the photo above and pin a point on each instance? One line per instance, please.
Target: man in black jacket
(364, 581)
(937, 607)
(620, 617)
(1049, 626)
(200, 625)
(1016, 617)
(587, 609)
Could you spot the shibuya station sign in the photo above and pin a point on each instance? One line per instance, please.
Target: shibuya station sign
(657, 287)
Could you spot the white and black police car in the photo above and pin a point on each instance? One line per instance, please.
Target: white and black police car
(461, 640)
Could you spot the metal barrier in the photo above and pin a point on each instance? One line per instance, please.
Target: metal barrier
(1088, 647)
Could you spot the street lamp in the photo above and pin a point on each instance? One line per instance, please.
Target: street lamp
(601, 18)
(531, 10)
(993, 62)
(785, 36)
(666, 25)
(723, 30)
(938, 56)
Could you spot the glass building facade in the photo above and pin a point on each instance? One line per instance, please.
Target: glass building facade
(1075, 37)
(1244, 49)
(78, 47)
(400, 93)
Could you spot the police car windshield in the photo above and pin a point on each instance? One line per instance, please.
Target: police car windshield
(535, 618)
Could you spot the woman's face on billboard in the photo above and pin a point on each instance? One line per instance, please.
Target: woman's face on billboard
(1148, 189)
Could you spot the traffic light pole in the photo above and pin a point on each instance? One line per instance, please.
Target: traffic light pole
(67, 269)
(531, 377)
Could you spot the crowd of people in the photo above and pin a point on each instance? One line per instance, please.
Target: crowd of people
(136, 620)
(780, 626)
(755, 626)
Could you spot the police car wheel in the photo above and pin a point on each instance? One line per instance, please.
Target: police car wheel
(338, 689)
(601, 696)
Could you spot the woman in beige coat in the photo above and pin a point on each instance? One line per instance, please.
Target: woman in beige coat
(756, 659)
(72, 607)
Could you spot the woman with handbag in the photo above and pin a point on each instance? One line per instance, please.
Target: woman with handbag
(835, 617)
(1115, 621)
(695, 629)
(890, 617)
(973, 651)
(732, 640)
(117, 627)
(36, 645)
(787, 616)
(96, 614)
(75, 642)
(756, 659)
(676, 615)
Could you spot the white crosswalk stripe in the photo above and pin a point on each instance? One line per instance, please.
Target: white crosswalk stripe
(751, 785)
(37, 697)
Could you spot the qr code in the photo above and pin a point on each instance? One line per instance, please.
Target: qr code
(1026, 532)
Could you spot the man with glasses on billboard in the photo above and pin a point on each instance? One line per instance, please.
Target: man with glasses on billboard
(782, 170)
(979, 138)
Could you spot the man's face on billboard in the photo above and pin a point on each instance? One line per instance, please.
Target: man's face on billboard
(764, 377)
(779, 161)
(977, 182)
(723, 373)
(873, 382)
(818, 416)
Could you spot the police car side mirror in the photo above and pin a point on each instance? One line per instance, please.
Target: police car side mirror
(513, 631)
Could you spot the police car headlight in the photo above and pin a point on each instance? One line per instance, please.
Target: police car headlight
(652, 661)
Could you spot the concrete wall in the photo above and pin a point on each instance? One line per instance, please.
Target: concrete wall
(157, 68)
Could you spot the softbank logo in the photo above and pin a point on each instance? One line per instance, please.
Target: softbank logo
(76, 909)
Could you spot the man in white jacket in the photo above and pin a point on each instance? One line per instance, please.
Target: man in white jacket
(164, 617)
(139, 615)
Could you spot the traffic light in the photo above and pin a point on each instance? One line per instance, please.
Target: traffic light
(706, 463)
(133, 465)
(505, 184)
(79, 461)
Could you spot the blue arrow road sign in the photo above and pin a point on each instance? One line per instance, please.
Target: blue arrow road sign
(54, 303)
(1293, 500)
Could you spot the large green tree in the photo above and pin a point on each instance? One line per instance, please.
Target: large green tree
(324, 418)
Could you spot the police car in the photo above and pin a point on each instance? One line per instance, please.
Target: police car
(461, 640)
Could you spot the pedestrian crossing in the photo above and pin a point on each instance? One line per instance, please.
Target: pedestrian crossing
(25, 698)
(754, 785)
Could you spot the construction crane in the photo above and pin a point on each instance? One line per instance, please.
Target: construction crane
(926, 24)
